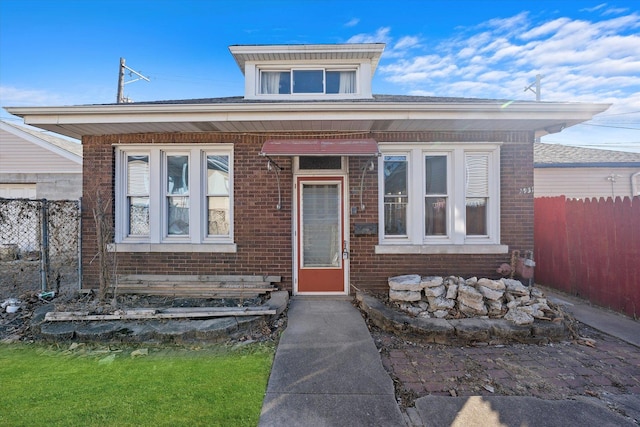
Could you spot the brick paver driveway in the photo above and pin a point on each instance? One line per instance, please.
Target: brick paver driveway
(552, 371)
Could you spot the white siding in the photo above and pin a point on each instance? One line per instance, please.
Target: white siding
(18, 191)
(583, 182)
(18, 155)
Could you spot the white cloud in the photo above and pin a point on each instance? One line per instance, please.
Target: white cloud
(595, 8)
(544, 29)
(580, 60)
(380, 36)
(352, 23)
(407, 42)
(12, 97)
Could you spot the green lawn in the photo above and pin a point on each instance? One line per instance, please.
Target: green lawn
(45, 386)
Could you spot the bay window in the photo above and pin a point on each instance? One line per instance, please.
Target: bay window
(440, 199)
(174, 194)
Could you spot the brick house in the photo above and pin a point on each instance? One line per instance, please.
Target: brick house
(309, 176)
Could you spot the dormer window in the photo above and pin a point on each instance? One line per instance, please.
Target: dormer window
(333, 72)
(308, 81)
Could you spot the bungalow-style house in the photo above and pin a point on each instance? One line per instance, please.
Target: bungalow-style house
(579, 173)
(38, 165)
(309, 176)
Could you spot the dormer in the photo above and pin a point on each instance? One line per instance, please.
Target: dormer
(308, 72)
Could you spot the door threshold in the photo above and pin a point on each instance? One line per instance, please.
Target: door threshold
(328, 297)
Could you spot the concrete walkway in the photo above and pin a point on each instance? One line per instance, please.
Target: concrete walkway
(607, 321)
(327, 371)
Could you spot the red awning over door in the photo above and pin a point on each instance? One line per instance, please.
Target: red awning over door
(320, 147)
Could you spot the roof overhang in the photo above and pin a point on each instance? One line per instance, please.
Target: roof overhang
(315, 52)
(320, 147)
(277, 117)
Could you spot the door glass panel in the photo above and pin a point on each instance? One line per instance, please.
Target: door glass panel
(321, 243)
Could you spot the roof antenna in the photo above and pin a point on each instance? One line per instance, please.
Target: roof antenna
(121, 98)
(537, 89)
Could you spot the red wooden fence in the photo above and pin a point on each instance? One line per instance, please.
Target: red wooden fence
(590, 248)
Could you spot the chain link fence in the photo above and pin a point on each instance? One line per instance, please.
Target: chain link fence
(39, 246)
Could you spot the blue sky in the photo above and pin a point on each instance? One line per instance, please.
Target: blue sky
(66, 52)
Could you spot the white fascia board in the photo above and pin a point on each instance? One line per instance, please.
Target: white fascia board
(569, 113)
(187, 112)
(43, 144)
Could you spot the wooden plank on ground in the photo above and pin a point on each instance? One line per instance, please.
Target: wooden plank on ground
(145, 315)
(197, 278)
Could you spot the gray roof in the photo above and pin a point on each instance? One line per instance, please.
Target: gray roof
(65, 144)
(376, 98)
(565, 156)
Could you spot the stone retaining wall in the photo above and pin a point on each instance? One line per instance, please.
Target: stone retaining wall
(455, 297)
(459, 331)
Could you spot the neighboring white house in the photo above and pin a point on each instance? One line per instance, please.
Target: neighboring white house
(579, 173)
(38, 165)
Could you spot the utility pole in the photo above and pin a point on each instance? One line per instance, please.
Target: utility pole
(121, 82)
(537, 84)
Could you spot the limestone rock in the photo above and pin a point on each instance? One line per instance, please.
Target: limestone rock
(533, 309)
(424, 315)
(495, 307)
(490, 294)
(440, 314)
(469, 296)
(435, 292)
(476, 310)
(451, 280)
(519, 317)
(496, 285)
(513, 304)
(409, 282)
(472, 281)
(404, 295)
(411, 309)
(432, 281)
(536, 293)
(516, 287)
(452, 292)
(423, 305)
(440, 303)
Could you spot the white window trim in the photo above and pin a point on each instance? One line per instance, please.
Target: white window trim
(158, 239)
(361, 67)
(456, 242)
(309, 95)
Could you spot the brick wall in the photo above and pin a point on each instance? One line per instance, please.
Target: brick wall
(263, 233)
(369, 270)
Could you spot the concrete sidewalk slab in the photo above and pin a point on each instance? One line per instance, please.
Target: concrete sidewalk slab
(514, 411)
(327, 371)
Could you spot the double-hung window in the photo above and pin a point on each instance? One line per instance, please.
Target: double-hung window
(175, 194)
(441, 198)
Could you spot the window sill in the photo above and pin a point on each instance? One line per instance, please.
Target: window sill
(441, 249)
(173, 247)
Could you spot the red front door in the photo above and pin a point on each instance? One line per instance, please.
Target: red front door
(319, 235)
